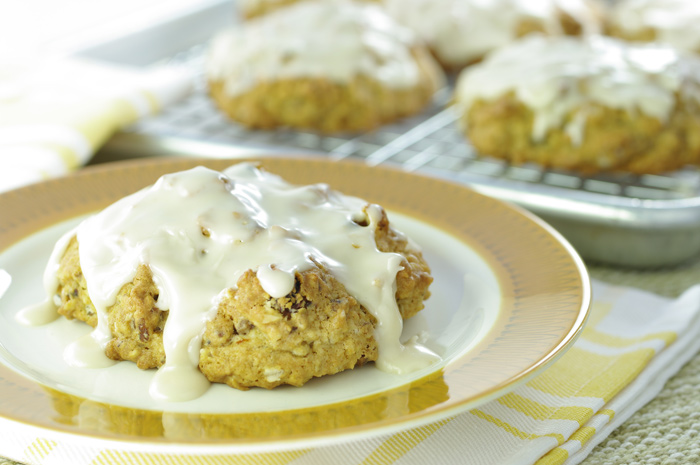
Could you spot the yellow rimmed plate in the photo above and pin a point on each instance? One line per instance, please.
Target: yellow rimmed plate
(509, 297)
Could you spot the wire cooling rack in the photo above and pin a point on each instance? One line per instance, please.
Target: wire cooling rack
(626, 219)
(430, 141)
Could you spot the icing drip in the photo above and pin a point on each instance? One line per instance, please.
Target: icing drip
(337, 40)
(200, 230)
(674, 21)
(557, 76)
(463, 31)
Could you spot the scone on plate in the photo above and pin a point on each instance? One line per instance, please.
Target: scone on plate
(324, 66)
(461, 32)
(243, 279)
(592, 105)
(672, 22)
(253, 8)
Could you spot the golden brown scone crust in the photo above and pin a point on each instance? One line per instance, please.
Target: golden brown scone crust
(72, 288)
(255, 340)
(614, 140)
(325, 106)
(135, 321)
(265, 7)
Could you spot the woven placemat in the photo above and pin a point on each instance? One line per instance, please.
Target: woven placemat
(667, 430)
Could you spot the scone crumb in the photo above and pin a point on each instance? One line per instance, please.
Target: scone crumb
(272, 375)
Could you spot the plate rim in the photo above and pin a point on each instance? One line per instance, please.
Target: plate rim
(347, 433)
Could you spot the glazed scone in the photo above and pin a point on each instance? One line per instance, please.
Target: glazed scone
(461, 32)
(324, 66)
(270, 283)
(672, 22)
(253, 8)
(591, 105)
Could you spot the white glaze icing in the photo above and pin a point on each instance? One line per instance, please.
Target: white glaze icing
(676, 22)
(461, 31)
(554, 76)
(337, 40)
(200, 230)
(45, 311)
(38, 314)
(86, 352)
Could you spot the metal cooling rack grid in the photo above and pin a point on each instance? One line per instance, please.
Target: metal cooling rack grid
(429, 141)
(639, 221)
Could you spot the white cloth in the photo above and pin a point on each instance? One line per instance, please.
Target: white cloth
(55, 115)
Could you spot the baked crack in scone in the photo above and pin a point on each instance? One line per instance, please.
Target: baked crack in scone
(244, 279)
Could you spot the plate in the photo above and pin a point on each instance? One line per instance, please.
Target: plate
(509, 297)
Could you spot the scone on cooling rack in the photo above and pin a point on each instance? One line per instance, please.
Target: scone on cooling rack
(243, 278)
(592, 105)
(461, 32)
(324, 66)
(253, 8)
(672, 22)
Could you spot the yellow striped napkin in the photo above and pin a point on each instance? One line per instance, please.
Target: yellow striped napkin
(633, 343)
(54, 115)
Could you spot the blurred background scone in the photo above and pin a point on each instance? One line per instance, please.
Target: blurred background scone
(595, 104)
(252, 8)
(461, 32)
(318, 65)
(673, 22)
